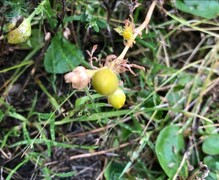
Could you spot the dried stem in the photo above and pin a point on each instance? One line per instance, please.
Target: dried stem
(103, 152)
(97, 153)
(137, 31)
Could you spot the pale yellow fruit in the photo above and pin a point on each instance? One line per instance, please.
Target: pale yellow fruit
(105, 81)
(117, 99)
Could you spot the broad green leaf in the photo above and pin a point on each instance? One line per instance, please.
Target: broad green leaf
(169, 146)
(211, 144)
(212, 176)
(212, 162)
(62, 56)
(207, 9)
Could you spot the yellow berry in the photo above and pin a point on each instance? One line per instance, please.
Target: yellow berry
(21, 33)
(117, 99)
(105, 81)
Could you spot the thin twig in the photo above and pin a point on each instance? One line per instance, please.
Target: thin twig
(97, 130)
(86, 155)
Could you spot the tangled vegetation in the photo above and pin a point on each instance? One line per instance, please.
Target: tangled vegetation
(109, 89)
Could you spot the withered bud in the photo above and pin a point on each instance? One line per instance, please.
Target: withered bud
(47, 36)
(78, 77)
(66, 33)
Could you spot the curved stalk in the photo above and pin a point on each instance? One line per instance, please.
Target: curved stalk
(137, 31)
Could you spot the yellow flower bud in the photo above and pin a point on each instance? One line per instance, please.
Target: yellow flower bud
(127, 33)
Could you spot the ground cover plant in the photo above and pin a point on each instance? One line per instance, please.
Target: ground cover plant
(109, 89)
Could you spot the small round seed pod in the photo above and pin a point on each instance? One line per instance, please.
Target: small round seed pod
(117, 99)
(105, 81)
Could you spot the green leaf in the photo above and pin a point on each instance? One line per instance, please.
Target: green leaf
(85, 99)
(16, 168)
(101, 23)
(136, 154)
(168, 147)
(66, 174)
(1, 115)
(151, 102)
(50, 14)
(212, 176)
(211, 144)
(207, 9)
(113, 170)
(174, 97)
(212, 162)
(62, 56)
(81, 18)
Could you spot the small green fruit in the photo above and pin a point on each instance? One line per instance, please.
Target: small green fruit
(21, 33)
(117, 99)
(105, 81)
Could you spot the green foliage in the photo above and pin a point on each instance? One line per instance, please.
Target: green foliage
(1, 115)
(212, 176)
(87, 16)
(113, 171)
(62, 56)
(212, 163)
(16, 168)
(169, 146)
(171, 108)
(151, 102)
(207, 9)
(85, 100)
(211, 144)
(65, 174)
(35, 40)
(136, 153)
(147, 41)
(17, 8)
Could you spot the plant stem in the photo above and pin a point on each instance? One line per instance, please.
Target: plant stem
(137, 31)
(36, 11)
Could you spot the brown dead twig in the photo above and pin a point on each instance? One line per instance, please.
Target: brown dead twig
(97, 153)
